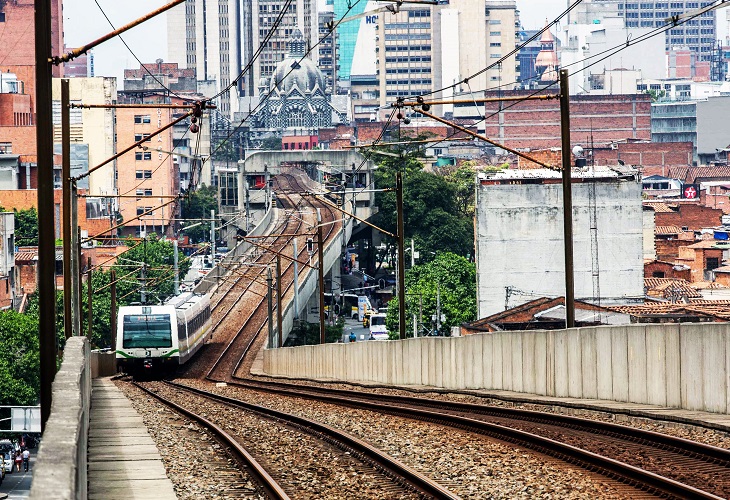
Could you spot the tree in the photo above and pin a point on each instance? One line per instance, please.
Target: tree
(197, 205)
(271, 143)
(449, 276)
(431, 214)
(26, 227)
(158, 256)
(462, 178)
(19, 359)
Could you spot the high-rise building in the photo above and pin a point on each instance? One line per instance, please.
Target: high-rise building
(699, 34)
(220, 37)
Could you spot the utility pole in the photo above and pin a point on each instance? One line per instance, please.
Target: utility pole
(279, 301)
(269, 300)
(76, 262)
(212, 237)
(296, 279)
(65, 181)
(46, 215)
(143, 277)
(567, 200)
(413, 263)
(320, 257)
(438, 307)
(175, 267)
(401, 258)
(113, 322)
(90, 297)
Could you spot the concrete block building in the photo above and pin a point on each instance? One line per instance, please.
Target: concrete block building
(520, 244)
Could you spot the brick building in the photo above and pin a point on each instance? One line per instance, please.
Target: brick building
(654, 158)
(692, 216)
(17, 58)
(596, 120)
(662, 269)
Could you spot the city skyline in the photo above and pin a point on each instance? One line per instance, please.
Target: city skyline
(84, 21)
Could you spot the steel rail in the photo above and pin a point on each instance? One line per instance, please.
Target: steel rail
(395, 468)
(626, 473)
(271, 488)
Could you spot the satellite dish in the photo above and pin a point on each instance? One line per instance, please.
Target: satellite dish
(578, 151)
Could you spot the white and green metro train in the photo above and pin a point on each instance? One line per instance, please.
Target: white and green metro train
(158, 339)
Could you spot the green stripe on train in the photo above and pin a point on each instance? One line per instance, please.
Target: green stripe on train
(135, 357)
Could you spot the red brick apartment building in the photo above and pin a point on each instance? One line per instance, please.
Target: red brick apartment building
(17, 57)
(597, 120)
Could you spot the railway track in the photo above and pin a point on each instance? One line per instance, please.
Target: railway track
(656, 463)
(240, 314)
(248, 466)
(379, 472)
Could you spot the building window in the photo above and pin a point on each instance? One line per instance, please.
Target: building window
(147, 155)
(6, 148)
(141, 118)
(138, 155)
(713, 263)
(148, 174)
(138, 174)
(139, 137)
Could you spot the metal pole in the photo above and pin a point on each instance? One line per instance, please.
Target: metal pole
(567, 200)
(401, 258)
(143, 275)
(279, 302)
(320, 266)
(212, 237)
(269, 300)
(296, 280)
(113, 322)
(89, 298)
(68, 328)
(175, 267)
(438, 307)
(76, 266)
(46, 236)
(82, 50)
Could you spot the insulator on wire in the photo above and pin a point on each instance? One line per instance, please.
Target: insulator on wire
(426, 107)
(419, 99)
(194, 128)
(198, 110)
(406, 120)
(193, 119)
(399, 116)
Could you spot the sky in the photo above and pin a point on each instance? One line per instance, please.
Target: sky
(83, 22)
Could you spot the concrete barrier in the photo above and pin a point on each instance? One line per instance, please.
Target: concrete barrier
(103, 364)
(60, 468)
(676, 365)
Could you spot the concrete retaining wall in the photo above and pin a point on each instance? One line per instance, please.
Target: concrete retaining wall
(681, 366)
(103, 364)
(60, 468)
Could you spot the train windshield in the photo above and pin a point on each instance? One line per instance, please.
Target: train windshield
(147, 330)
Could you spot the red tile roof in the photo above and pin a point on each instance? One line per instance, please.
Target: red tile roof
(691, 174)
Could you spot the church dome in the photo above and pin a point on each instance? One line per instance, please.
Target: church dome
(297, 70)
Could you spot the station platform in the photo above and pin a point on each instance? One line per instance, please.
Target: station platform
(123, 460)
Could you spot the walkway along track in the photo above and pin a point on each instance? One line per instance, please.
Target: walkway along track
(657, 463)
(395, 477)
(248, 464)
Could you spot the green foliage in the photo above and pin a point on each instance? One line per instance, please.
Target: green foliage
(158, 256)
(19, 359)
(271, 144)
(197, 205)
(462, 179)
(432, 214)
(656, 95)
(451, 276)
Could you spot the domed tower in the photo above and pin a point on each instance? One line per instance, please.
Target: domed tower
(297, 97)
(547, 63)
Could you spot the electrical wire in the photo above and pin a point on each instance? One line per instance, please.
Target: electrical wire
(135, 55)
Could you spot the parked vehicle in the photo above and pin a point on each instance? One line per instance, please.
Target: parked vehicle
(378, 330)
(7, 452)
